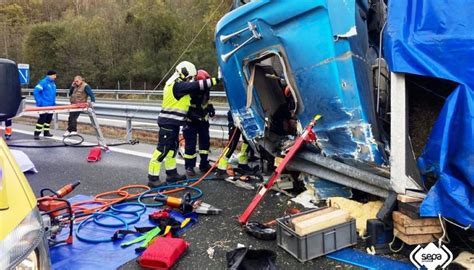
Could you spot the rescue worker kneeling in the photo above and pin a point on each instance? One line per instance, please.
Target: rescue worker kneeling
(175, 106)
(245, 151)
(197, 124)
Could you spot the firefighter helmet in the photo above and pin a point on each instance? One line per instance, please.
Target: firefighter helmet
(186, 70)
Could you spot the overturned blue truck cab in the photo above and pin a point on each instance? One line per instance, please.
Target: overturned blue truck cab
(308, 58)
(285, 61)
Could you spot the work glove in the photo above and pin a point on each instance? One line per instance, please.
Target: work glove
(210, 110)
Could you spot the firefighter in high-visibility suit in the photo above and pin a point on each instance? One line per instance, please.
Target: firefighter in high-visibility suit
(243, 156)
(197, 125)
(176, 102)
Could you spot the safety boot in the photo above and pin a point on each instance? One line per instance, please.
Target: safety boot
(247, 169)
(173, 176)
(220, 174)
(204, 168)
(47, 134)
(154, 181)
(37, 135)
(190, 172)
(8, 137)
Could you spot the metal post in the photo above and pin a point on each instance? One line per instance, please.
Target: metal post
(404, 172)
(96, 126)
(399, 131)
(55, 121)
(147, 93)
(129, 128)
(118, 88)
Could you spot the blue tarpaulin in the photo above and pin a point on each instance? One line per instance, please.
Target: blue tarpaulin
(367, 261)
(436, 38)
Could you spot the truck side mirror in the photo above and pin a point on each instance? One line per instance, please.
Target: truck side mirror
(10, 90)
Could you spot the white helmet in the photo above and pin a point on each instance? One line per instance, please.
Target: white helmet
(186, 70)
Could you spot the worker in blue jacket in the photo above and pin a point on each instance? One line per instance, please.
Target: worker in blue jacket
(45, 95)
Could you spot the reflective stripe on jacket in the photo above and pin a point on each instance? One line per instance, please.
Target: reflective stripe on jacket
(173, 110)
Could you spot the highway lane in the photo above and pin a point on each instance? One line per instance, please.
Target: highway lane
(58, 166)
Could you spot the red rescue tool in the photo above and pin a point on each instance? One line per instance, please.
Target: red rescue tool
(307, 136)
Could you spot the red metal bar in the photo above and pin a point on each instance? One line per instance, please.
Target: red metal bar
(57, 108)
(307, 136)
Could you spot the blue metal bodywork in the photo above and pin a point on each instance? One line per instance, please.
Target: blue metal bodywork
(324, 48)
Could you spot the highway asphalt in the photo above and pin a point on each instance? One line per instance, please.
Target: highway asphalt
(222, 233)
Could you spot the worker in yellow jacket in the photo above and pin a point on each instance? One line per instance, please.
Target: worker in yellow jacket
(175, 106)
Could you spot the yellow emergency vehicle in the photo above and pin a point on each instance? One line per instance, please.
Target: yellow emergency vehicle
(23, 244)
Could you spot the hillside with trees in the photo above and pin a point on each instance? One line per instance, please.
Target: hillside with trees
(111, 43)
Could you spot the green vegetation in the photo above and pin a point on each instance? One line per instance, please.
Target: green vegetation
(110, 42)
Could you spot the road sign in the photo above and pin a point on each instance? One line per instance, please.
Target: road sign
(24, 73)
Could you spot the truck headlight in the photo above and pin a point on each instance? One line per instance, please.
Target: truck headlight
(18, 248)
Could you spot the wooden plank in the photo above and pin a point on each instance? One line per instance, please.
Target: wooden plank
(414, 239)
(410, 209)
(408, 199)
(321, 222)
(407, 221)
(418, 230)
(301, 218)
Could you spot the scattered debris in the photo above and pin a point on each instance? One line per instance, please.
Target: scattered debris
(236, 181)
(465, 260)
(260, 231)
(25, 163)
(246, 258)
(210, 252)
(306, 199)
(201, 207)
(281, 191)
(324, 189)
(284, 182)
(360, 211)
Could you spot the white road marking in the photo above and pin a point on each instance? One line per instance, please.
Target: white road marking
(112, 148)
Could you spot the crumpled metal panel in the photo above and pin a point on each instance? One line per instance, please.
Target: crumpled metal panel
(324, 45)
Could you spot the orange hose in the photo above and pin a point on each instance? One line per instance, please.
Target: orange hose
(122, 193)
(134, 186)
(105, 203)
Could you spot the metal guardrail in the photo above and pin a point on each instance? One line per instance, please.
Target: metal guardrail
(117, 93)
(136, 112)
